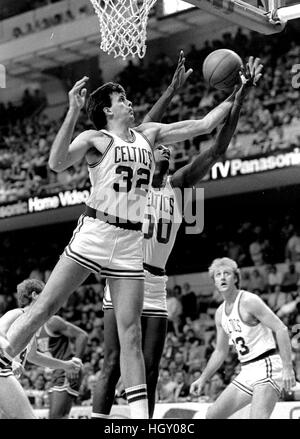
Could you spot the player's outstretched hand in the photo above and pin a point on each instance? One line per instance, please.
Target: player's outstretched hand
(197, 387)
(249, 77)
(180, 75)
(288, 377)
(77, 94)
(252, 72)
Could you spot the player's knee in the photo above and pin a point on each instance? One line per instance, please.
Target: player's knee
(39, 314)
(132, 337)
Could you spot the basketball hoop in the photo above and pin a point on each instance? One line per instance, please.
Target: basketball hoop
(123, 25)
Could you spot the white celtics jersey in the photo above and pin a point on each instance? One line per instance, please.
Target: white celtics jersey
(163, 216)
(121, 178)
(250, 341)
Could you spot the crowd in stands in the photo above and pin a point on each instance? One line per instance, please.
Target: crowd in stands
(189, 343)
(191, 329)
(269, 121)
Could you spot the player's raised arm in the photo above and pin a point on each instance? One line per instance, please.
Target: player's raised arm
(187, 129)
(265, 315)
(191, 174)
(179, 78)
(217, 358)
(179, 131)
(62, 155)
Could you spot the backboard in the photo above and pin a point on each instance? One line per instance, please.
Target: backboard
(264, 16)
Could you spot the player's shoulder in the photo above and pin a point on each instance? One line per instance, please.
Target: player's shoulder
(84, 138)
(147, 128)
(16, 312)
(87, 134)
(55, 323)
(95, 138)
(248, 299)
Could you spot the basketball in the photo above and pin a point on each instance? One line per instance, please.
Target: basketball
(221, 67)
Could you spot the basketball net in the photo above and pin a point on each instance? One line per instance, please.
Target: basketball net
(123, 25)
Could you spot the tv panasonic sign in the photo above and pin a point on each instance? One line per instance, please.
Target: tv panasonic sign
(234, 167)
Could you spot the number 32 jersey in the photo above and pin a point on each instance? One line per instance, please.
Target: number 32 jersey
(163, 216)
(121, 178)
(250, 340)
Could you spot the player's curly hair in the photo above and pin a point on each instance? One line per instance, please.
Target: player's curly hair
(25, 290)
(216, 263)
(98, 100)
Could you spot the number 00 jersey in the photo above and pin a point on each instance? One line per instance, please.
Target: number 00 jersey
(121, 178)
(163, 216)
(250, 341)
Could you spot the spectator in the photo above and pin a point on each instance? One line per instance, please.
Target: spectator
(174, 311)
(292, 250)
(189, 302)
(165, 386)
(258, 248)
(258, 284)
(182, 389)
(179, 362)
(274, 278)
(215, 387)
(277, 299)
(290, 279)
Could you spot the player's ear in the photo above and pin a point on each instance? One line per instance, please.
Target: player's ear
(107, 111)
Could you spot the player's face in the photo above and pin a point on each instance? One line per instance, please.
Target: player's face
(162, 154)
(121, 107)
(225, 279)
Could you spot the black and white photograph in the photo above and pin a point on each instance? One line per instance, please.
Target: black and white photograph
(149, 213)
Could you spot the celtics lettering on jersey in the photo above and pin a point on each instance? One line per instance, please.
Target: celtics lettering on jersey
(122, 177)
(250, 341)
(163, 217)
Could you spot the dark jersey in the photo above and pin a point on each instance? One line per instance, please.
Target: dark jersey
(57, 345)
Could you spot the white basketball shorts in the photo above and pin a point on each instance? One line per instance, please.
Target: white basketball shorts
(266, 370)
(155, 296)
(104, 248)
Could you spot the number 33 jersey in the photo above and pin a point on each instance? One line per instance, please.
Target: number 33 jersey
(163, 216)
(121, 178)
(250, 340)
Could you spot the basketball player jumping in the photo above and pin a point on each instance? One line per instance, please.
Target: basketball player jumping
(13, 400)
(108, 238)
(163, 217)
(246, 321)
